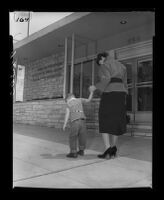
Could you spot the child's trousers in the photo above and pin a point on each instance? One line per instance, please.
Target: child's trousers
(77, 135)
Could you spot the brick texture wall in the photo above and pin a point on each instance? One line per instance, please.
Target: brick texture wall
(51, 113)
(45, 113)
(43, 90)
(44, 78)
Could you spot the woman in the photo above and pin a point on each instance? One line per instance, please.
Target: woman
(112, 109)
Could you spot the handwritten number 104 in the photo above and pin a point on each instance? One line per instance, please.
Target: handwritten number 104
(22, 19)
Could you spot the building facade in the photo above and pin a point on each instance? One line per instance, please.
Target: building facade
(61, 59)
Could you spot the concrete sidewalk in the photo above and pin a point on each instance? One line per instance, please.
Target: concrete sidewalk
(39, 161)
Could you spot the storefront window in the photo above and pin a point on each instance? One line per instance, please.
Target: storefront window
(83, 79)
(129, 100)
(129, 72)
(144, 85)
(144, 98)
(76, 80)
(128, 65)
(87, 78)
(144, 71)
(97, 93)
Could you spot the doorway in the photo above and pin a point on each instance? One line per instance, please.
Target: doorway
(139, 79)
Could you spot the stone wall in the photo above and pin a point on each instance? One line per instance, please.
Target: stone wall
(51, 113)
(45, 113)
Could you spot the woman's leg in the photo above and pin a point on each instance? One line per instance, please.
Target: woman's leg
(105, 137)
(106, 140)
(114, 143)
(114, 139)
(111, 140)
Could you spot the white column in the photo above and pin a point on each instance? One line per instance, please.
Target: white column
(28, 26)
(72, 63)
(65, 68)
(93, 71)
(81, 79)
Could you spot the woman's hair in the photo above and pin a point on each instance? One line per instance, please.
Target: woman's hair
(100, 55)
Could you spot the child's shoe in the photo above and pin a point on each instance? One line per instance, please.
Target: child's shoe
(80, 152)
(72, 155)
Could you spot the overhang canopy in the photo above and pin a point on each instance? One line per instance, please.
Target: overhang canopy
(87, 27)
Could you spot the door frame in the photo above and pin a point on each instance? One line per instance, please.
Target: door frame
(136, 115)
(133, 53)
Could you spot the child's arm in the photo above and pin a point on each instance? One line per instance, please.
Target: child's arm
(66, 118)
(89, 98)
(91, 89)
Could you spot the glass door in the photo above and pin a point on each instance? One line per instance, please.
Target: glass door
(143, 87)
(130, 100)
(139, 79)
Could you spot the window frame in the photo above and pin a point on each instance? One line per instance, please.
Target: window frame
(81, 61)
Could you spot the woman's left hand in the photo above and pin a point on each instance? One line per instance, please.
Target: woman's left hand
(92, 88)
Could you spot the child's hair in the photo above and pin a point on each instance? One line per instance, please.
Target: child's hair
(69, 95)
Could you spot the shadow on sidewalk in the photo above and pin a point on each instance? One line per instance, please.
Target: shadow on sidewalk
(132, 147)
(85, 157)
(63, 156)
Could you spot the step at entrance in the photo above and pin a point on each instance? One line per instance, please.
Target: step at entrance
(139, 129)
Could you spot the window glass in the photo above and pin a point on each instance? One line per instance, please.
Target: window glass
(76, 80)
(144, 69)
(129, 100)
(86, 78)
(129, 71)
(144, 98)
(97, 93)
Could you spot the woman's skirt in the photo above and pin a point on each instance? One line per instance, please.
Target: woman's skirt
(112, 113)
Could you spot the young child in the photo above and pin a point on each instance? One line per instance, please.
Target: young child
(74, 112)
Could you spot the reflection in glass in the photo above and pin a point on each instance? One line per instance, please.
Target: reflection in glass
(129, 100)
(145, 99)
(87, 78)
(76, 80)
(144, 71)
(129, 72)
(97, 93)
(96, 72)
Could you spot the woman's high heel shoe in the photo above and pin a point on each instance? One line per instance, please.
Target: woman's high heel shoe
(113, 152)
(106, 154)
